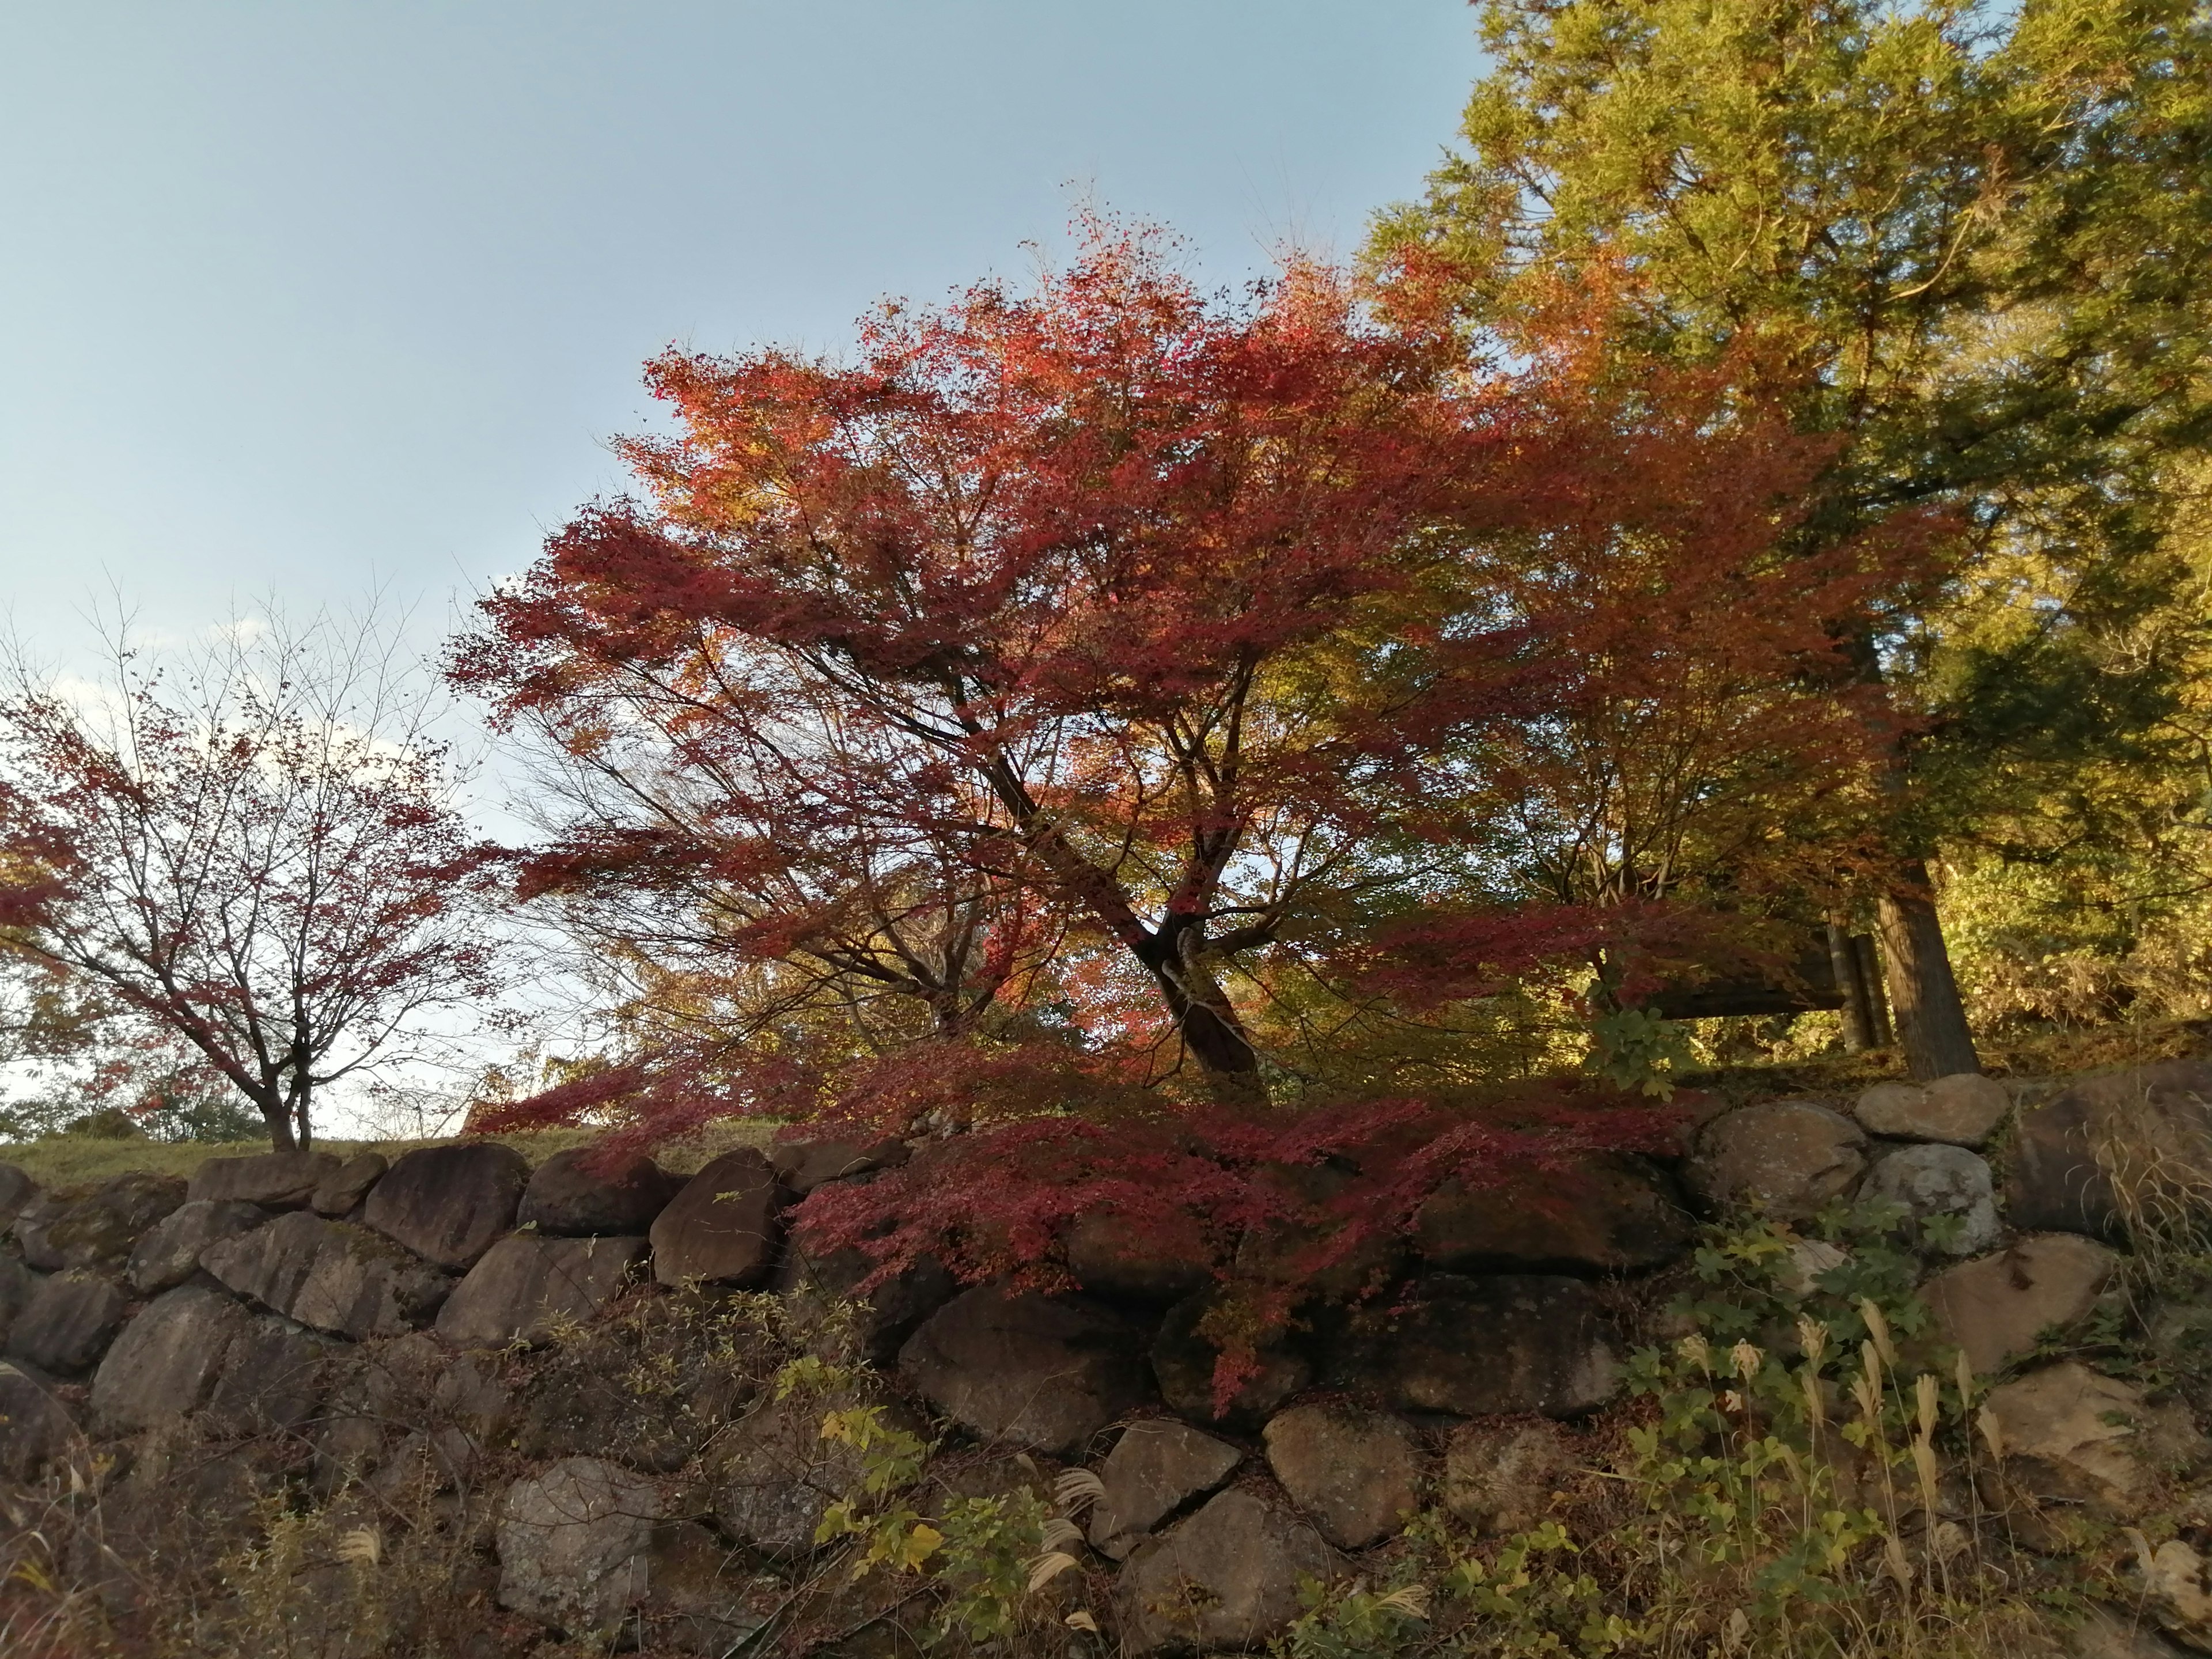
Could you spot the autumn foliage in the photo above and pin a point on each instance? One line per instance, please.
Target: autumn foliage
(1001, 730)
(254, 865)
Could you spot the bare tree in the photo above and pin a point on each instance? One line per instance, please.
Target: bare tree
(254, 847)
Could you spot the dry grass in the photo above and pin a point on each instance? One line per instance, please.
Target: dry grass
(72, 1160)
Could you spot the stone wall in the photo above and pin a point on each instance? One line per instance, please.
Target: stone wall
(575, 1363)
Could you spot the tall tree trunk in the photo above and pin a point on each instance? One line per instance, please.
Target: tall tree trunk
(1858, 1014)
(1869, 961)
(1924, 993)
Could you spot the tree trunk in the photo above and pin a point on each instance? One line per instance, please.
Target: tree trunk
(279, 1120)
(1212, 1033)
(1858, 1014)
(1869, 961)
(1924, 993)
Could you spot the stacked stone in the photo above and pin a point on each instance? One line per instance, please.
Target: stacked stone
(370, 1312)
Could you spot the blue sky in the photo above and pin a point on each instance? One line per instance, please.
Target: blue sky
(295, 296)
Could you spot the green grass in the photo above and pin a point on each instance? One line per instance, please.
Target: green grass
(77, 1160)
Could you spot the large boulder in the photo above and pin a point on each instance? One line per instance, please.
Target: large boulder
(1939, 1184)
(449, 1203)
(276, 1180)
(16, 1190)
(67, 1322)
(1996, 1307)
(1604, 1215)
(1788, 1158)
(1157, 1466)
(170, 1252)
(2075, 1436)
(721, 1228)
(1110, 1254)
(526, 1289)
(572, 1195)
(573, 1542)
(98, 1233)
(2054, 1180)
(1499, 1477)
(1185, 1357)
(167, 1360)
(341, 1191)
(330, 1276)
(1963, 1110)
(1497, 1346)
(1226, 1580)
(1044, 1373)
(1356, 1473)
(804, 1164)
(826, 1308)
(36, 1429)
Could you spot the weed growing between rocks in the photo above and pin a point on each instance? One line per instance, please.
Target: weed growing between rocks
(1808, 1473)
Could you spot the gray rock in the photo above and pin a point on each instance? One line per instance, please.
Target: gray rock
(1606, 1215)
(167, 1360)
(1499, 1477)
(169, 1253)
(1995, 1307)
(16, 1190)
(449, 1203)
(525, 1288)
(1936, 1180)
(827, 1309)
(1044, 1373)
(803, 1165)
(98, 1233)
(2054, 1180)
(34, 1221)
(1964, 1109)
(330, 1275)
(345, 1187)
(573, 1542)
(276, 1180)
(18, 1284)
(1110, 1255)
(1225, 1580)
(2146, 1129)
(570, 1195)
(1498, 1345)
(1789, 1159)
(777, 1476)
(1184, 1359)
(67, 1322)
(274, 1380)
(1306, 1250)
(1356, 1473)
(1157, 1466)
(36, 1430)
(692, 1592)
(721, 1228)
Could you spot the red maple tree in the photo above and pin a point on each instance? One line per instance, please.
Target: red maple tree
(968, 732)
